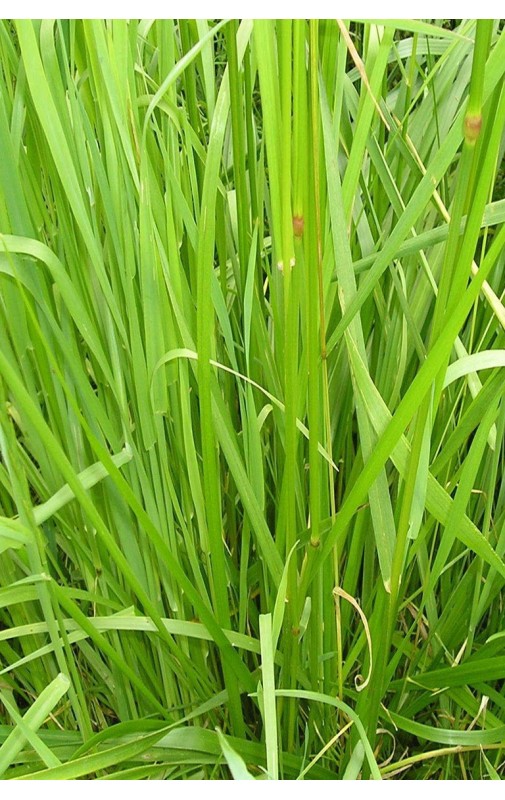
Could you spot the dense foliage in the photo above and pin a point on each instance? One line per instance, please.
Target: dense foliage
(252, 399)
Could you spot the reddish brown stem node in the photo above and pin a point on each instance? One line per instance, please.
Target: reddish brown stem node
(298, 225)
(472, 127)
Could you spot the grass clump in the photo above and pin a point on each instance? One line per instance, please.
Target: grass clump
(251, 412)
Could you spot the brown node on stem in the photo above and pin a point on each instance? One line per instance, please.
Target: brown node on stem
(298, 225)
(472, 127)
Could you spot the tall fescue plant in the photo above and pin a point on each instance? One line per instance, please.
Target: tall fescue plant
(252, 405)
